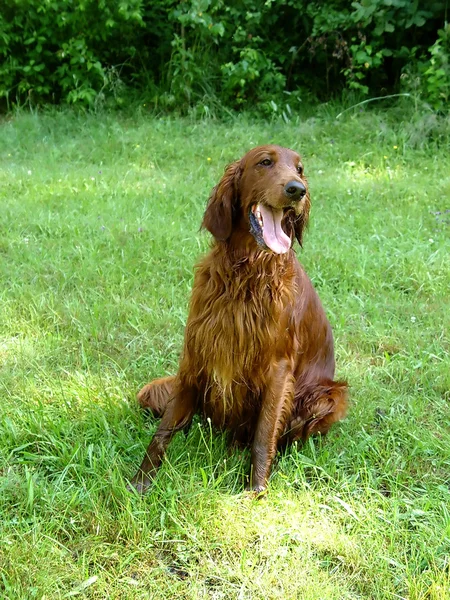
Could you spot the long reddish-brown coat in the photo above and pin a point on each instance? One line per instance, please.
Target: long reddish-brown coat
(258, 355)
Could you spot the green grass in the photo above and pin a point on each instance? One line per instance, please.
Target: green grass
(99, 234)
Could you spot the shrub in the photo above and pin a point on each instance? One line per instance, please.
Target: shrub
(436, 71)
(240, 53)
(57, 50)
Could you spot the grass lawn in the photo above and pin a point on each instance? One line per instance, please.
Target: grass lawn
(99, 234)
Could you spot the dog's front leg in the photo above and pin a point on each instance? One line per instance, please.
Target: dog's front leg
(275, 408)
(177, 415)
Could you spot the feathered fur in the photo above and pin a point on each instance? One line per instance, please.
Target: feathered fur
(258, 354)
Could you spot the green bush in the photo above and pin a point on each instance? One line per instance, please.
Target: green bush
(436, 72)
(239, 53)
(62, 50)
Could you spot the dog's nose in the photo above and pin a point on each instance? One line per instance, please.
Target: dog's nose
(294, 190)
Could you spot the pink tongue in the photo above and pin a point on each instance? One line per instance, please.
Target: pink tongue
(273, 234)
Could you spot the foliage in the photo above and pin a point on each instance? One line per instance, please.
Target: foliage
(241, 52)
(61, 50)
(436, 72)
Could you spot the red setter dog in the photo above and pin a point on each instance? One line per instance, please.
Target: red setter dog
(258, 355)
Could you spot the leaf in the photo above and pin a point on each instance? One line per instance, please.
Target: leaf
(361, 56)
(419, 20)
(204, 477)
(305, 459)
(84, 585)
(347, 507)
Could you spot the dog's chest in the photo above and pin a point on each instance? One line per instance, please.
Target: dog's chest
(235, 337)
(236, 328)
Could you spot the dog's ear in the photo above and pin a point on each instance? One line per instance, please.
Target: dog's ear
(300, 222)
(218, 217)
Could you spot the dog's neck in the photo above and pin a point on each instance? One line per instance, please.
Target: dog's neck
(245, 270)
(241, 251)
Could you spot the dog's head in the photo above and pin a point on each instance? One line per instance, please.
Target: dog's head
(266, 191)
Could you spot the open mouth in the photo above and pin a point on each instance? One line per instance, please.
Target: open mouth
(265, 226)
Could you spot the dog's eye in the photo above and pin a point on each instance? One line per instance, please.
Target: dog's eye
(300, 169)
(266, 162)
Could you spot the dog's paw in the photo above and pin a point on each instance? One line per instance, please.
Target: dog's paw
(140, 484)
(257, 491)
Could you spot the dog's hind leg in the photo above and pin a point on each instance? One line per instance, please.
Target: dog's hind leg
(316, 407)
(156, 394)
